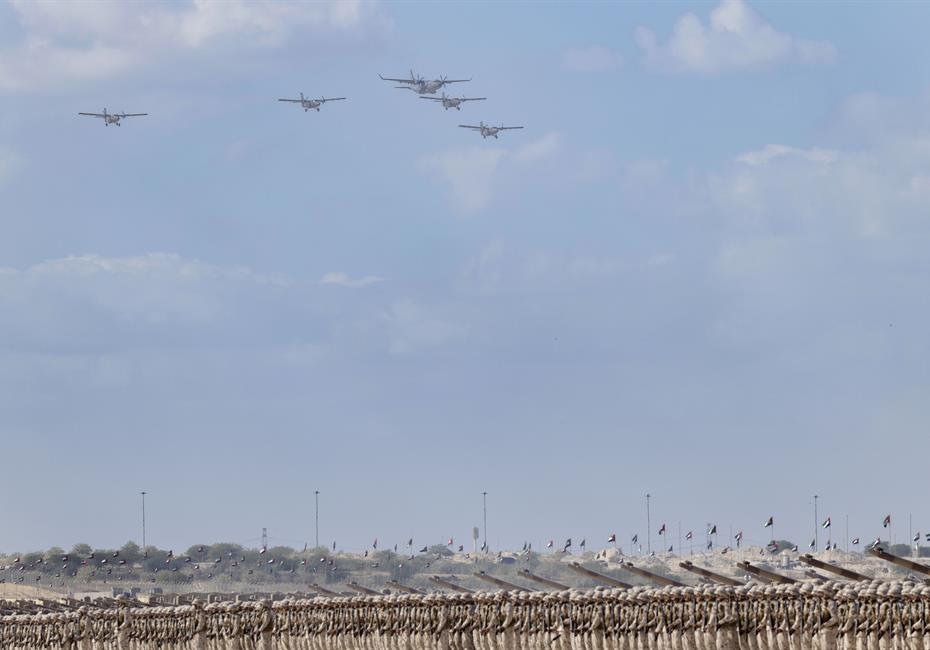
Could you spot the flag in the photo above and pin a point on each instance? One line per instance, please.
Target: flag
(395, 548)
(877, 542)
(669, 549)
(739, 536)
(410, 542)
(424, 550)
(887, 521)
(524, 546)
(449, 543)
(375, 543)
(813, 544)
(582, 545)
(635, 539)
(662, 530)
(484, 546)
(928, 537)
(855, 541)
(689, 535)
(795, 548)
(826, 523)
(710, 545)
(769, 523)
(461, 548)
(568, 544)
(713, 530)
(551, 542)
(612, 539)
(917, 537)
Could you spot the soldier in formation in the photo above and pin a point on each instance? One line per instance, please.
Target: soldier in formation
(828, 616)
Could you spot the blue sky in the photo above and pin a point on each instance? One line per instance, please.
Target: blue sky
(699, 271)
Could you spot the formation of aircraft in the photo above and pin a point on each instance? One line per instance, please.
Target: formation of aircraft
(489, 131)
(112, 118)
(423, 86)
(415, 83)
(454, 102)
(307, 104)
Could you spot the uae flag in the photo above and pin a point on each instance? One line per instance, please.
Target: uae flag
(612, 539)
(887, 521)
(917, 537)
(549, 545)
(689, 535)
(813, 544)
(769, 523)
(795, 548)
(738, 537)
(662, 530)
(713, 530)
(855, 541)
(582, 545)
(449, 543)
(568, 544)
(826, 523)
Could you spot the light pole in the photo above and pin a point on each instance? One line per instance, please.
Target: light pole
(316, 498)
(143, 521)
(648, 525)
(484, 503)
(816, 522)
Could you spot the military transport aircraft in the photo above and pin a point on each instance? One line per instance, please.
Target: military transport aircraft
(489, 131)
(112, 118)
(454, 102)
(421, 86)
(306, 103)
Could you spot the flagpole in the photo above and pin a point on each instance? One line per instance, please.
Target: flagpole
(648, 526)
(816, 522)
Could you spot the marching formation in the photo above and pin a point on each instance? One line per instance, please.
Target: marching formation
(847, 616)
(415, 83)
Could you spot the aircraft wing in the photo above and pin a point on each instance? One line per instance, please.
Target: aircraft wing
(133, 114)
(296, 101)
(402, 81)
(332, 99)
(432, 99)
(469, 126)
(508, 128)
(473, 99)
(455, 81)
(93, 114)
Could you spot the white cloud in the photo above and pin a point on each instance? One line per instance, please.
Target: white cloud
(91, 300)
(496, 269)
(66, 42)
(773, 151)
(412, 326)
(540, 149)
(594, 58)
(343, 280)
(471, 171)
(736, 38)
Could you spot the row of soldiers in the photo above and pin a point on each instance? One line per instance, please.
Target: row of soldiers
(827, 616)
